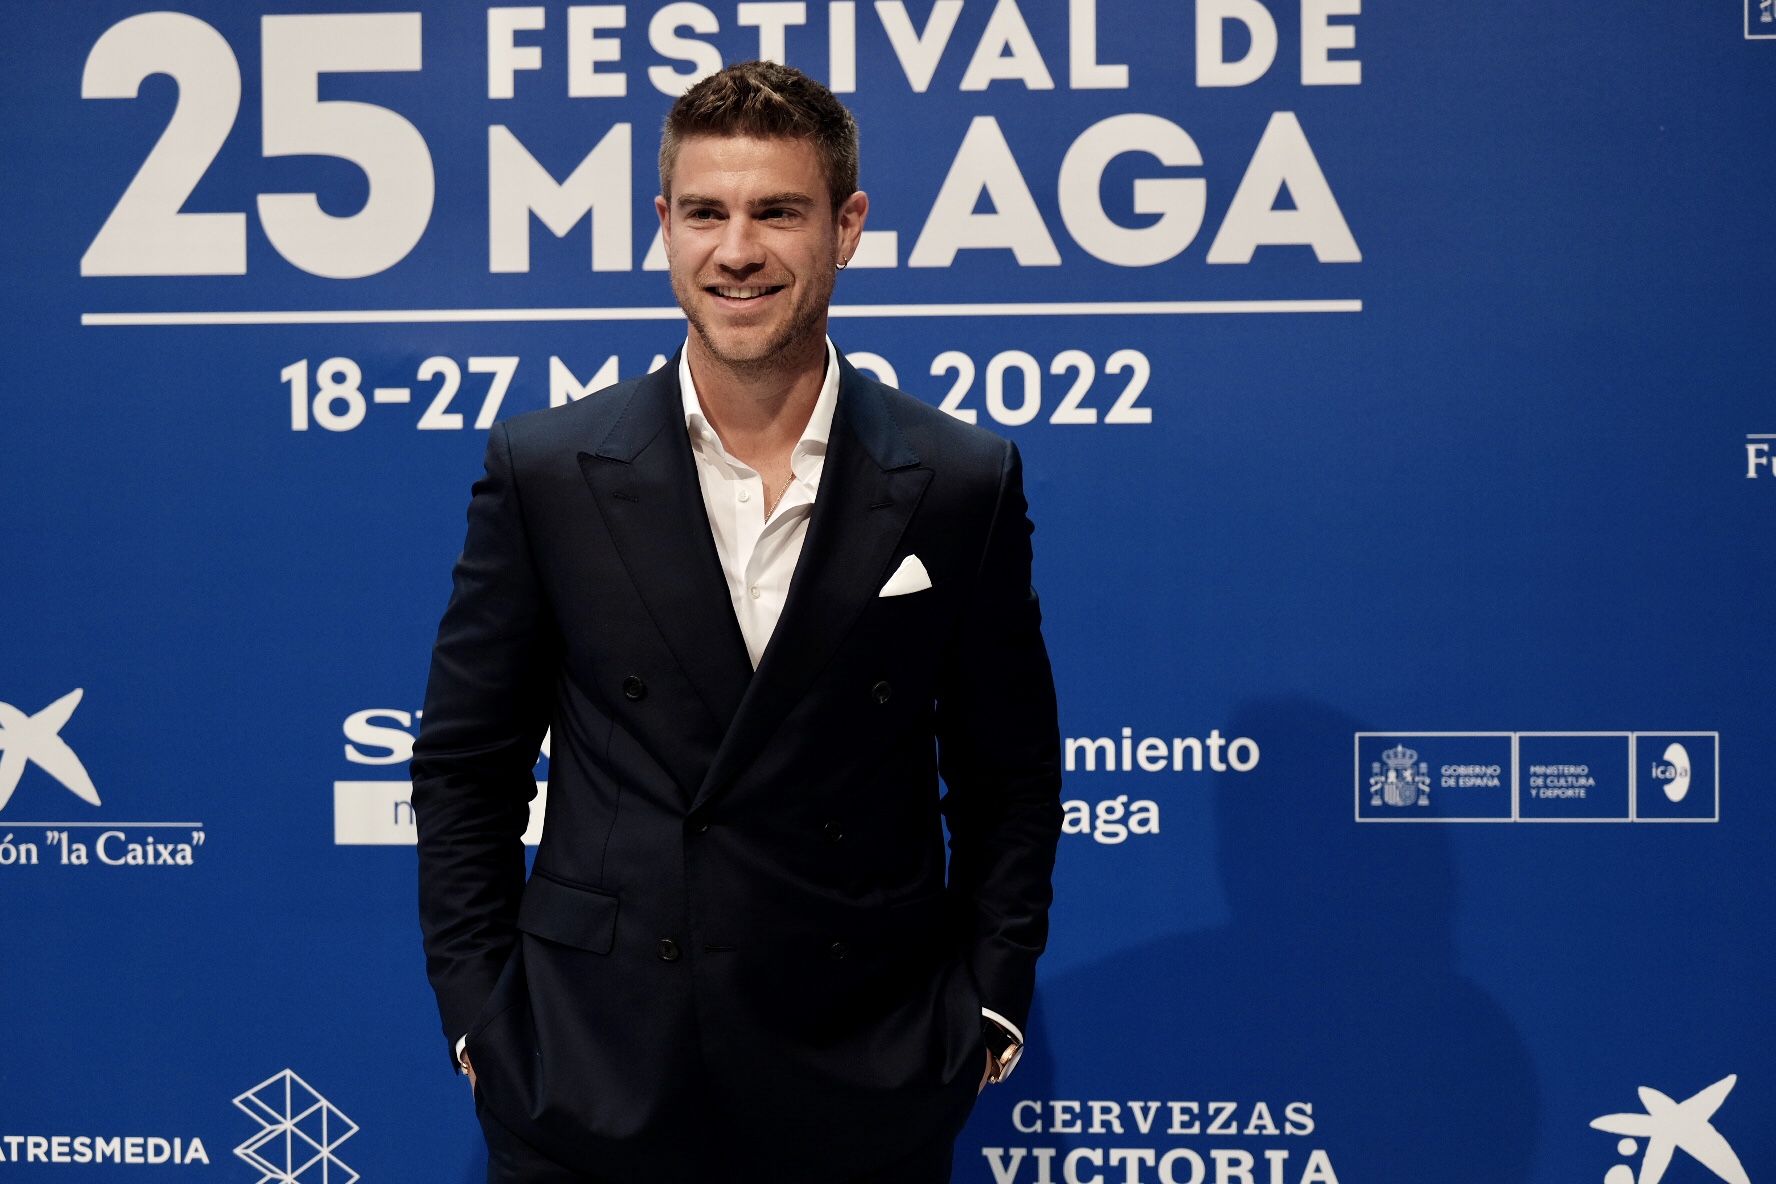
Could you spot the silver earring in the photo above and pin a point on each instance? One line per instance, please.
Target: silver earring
(842, 263)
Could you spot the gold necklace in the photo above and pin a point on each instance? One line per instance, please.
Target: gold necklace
(771, 502)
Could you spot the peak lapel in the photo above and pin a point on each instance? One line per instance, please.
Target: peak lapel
(645, 481)
(869, 487)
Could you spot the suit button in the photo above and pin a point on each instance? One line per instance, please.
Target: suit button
(833, 831)
(668, 950)
(701, 825)
(837, 951)
(634, 688)
(881, 691)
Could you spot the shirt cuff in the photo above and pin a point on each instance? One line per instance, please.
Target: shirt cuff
(986, 1011)
(462, 1064)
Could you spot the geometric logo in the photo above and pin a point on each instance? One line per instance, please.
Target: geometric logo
(1669, 1126)
(302, 1130)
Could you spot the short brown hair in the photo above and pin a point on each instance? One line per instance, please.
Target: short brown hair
(770, 101)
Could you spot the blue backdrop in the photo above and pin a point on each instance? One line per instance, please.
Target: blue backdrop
(1395, 394)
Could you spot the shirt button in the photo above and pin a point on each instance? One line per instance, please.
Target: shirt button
(745, 495)
(668, 950)
(754, 592)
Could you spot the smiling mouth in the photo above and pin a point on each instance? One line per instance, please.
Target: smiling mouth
(744, 291)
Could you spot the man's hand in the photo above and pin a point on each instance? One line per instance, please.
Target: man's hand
(985, 1073)
(471, 1068)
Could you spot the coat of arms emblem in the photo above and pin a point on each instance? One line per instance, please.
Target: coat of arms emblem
(1399, 778)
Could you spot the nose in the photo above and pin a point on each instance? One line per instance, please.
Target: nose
(739, 252)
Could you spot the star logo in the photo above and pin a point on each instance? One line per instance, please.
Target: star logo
(1668, 1126)
(301, 1131)
(27, 739)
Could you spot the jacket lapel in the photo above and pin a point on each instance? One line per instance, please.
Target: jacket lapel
(645, 481)
(869, 487)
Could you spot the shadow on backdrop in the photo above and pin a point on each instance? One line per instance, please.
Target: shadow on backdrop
(1334, 983)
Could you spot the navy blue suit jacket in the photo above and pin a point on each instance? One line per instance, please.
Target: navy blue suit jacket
(738, 950)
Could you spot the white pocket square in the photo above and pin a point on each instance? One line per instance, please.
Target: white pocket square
(910, 576)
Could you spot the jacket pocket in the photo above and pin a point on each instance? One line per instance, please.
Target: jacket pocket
(574, 915)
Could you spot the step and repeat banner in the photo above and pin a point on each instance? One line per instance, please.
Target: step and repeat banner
(1395, 389)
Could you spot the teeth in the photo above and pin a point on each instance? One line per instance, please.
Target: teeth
(743, 293)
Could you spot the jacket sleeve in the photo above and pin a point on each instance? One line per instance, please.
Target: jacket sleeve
(487, 700)
(999, 754)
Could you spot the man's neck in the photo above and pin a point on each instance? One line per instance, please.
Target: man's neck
(759, 411)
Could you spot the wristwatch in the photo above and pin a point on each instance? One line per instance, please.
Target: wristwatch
(1004, 1048)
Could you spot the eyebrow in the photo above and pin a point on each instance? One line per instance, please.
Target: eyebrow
(783, 199)
(686, 200)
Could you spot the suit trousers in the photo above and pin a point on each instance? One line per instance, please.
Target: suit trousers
(510, 1160)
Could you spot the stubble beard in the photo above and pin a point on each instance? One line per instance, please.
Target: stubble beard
(784, 352)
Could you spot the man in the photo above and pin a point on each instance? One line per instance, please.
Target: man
(737, 957)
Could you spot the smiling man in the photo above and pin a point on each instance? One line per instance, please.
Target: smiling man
(764, 602)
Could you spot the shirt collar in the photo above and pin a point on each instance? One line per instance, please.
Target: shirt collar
(814, 437)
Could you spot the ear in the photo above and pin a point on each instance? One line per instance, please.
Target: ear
(851, 219)
(665, 213)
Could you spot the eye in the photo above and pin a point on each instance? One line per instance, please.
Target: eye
(701, 214)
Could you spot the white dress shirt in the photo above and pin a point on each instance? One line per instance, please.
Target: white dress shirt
(758, 555)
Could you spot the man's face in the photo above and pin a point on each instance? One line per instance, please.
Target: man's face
(753, 245)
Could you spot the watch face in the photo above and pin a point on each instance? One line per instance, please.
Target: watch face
(997, 1038)
(1008, 1061)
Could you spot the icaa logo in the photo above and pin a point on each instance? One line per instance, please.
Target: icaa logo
(1672, 770)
